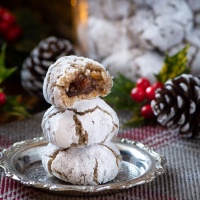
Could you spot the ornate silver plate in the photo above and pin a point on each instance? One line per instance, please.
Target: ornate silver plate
(140, 164)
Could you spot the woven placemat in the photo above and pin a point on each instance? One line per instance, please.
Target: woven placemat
(181, 180)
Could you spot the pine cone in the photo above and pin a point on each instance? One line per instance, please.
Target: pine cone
(36, 65)
(177, 105)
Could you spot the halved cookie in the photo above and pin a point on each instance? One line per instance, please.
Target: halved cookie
(73, 78)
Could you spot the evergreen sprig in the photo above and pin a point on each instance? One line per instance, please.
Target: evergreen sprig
(120, 93)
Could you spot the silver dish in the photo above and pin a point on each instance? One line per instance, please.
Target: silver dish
(140, 164)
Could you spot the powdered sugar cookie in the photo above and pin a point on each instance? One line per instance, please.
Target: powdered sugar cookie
(162, 24)
(112, 9)
(73, 78)
(107, 37)
(134, 63)
(91, 165)
(88, 122)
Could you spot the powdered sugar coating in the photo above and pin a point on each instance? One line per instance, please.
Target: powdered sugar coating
(64, 72)
(48, 154)
(88, 122)
(91, 165)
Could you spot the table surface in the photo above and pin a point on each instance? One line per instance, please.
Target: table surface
(180, 181)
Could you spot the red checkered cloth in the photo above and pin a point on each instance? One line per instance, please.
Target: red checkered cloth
(180, 181)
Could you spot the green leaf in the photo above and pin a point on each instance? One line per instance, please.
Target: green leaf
(2, 55)
(4, 72)
(174, 66)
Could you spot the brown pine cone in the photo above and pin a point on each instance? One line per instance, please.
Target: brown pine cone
(36, 65)
(177, 106)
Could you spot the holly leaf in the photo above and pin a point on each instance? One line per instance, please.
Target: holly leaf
(4, 72)
(119, 97)
(174, 66)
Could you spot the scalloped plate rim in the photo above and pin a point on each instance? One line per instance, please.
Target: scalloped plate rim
(160, 160)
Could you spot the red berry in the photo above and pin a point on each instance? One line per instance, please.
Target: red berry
(7, 21)
(158, 85)
(8, 17)
(150, 93)
(138, 94)
(143, 83)
(147, 112)
(13, 34)
(4, 27)
(2, 98)
(2, 11)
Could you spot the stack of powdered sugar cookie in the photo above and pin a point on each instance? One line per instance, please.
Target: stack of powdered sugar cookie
(79, 125)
